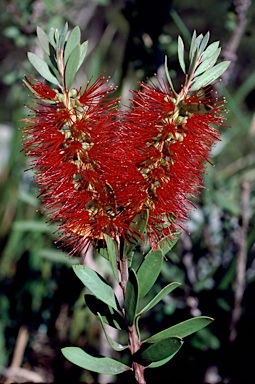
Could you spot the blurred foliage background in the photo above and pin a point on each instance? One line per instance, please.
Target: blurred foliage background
(41, 301)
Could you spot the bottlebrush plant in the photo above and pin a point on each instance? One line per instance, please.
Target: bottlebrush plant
(112, 179)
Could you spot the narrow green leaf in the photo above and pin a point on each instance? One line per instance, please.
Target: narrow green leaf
(104, 365)
(131, 297)
(84, 48)
(42, 67)
(159, 363)
(193, 46)
(52, 37)
(208, 63)
(181, 53)
(56, 36)
(73, 40)
(148, 271)
(96, 284)
(72, 66)
(165, 291)
(182, 330)
(204, 42)
(169, 77)
(161, 349)
(62, 37)
(210, 75)
(113, 344)
(198, 41)
(210, 50)
(108, 314)
(112, 255)
(43, 40)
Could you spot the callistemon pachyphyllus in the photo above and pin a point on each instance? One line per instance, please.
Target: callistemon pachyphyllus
(87, 182)
(68, 137)
(172, 135)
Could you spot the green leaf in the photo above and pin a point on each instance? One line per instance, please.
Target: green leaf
(165, 291)
(72, 66)
(148, 271)
(157, 364)
(43, 40)
(84, 48)
(96, 284)
(42, 67)
(169, 77)
(112, 255)
(204, 42)
(208, 63)
(62, 37)
(210, 50)
(113, 344)
(167, 244)
(181, 53)
(210, 75)
(73, 40)
(108, 314)
(160, 350)
(131, 297)
(103, 365)
(136, 230)
(183, 329)
(193, 46)
(52, 37)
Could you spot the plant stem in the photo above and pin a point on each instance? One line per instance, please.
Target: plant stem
(133, 338)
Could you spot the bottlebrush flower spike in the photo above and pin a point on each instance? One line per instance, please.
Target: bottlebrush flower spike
(172, 135)
(71, 139)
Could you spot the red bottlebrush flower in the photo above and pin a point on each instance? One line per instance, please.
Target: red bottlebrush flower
(41, 90)
(84, 182)
(172, 140)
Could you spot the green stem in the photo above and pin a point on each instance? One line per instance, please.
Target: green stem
(133, 338)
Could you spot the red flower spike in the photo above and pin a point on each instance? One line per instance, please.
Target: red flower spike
(171, 140)
(84, 182)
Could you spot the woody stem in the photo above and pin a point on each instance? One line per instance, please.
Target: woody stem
(133, 338)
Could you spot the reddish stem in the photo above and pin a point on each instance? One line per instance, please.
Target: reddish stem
(133, 338)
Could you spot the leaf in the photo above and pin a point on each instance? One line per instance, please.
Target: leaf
(62, 37)
(165, 291)
(131, 297)
(210, 75)
(112, 255)
(159, 363)
(136, 230)
(208, 63)
(210, 50)
(108, 314)
(181, 53)
(42, 67)
(204, 42)
(52, 37)
(167, 244)
(72, 66)
(73, 40)
(148, 271)
(183, 329)
(103, 365)
(193, 46)
(113, 344)
(84, 48)
(161, 349)
(96, 284)
(43, 40)
(169, 77)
